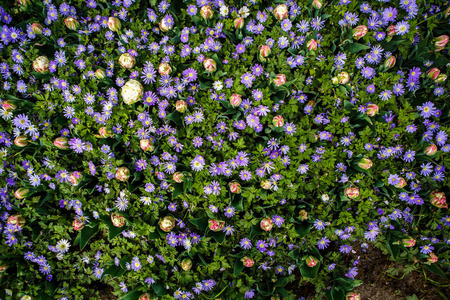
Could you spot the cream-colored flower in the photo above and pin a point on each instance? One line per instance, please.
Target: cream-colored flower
(132, 91)
(127, 61)
(41, 64)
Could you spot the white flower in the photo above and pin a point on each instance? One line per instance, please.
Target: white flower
(224, 10)
(218, 85)
(126, 60)
(244, 12)
(325, 197)
(59, 256)
(6, 115)
(132, 91)
(63, 246)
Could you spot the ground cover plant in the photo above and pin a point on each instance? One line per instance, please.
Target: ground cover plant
(220, 149)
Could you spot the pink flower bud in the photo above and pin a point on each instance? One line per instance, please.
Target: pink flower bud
(312, 45)
(438, 199)
(278, 121)
(239, 23)
(206, 12)
(365, 163)
(146, 145)
(167, 223)
(311, 261)
(433, 73)
(21, 141)
(36, 28)
(390, 30)
(408, 242)
(401, 184)
(77, 225)
(210, 65)
(266, 224)
(352, 296)
(24, 3)
(235, 187)
(266, 184)
(127, 61)
(279, 80)
(41, 64)
(264, 51)
(8, 105)
(441, 42)
(235, 100)
(114, 24)
(72, 23)
(74, 179)
(432, 258)
(164, 25)
(118, 220)
(122, 174)
(100, 74)
(16, 220)
(181, 106)
(281, 12)
(144, 297)
(247, 261)
(178, 177)
(104, 132)
(21, 193)
(164, 69)
(431, 150)
(317, 4)
(334, 80)
(390, 62)
(61, 143)
(343, 77)
(360, 31)
(303, 215)
(186, 264)
(372, 109)
(216, 225)
(351, 192)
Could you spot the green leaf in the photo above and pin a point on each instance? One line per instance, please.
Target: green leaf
(337, 294)
(355, 47)
(256, 230)
(436, 270)
(176, 117)
(132, 295)
(159, 289)
(237, 202)
(309, 272)
(219, 236)
(303, 229)
(178, 190)
(114, 271)
(393, 249)
(86, 234)
(238, 267)
(201, 223)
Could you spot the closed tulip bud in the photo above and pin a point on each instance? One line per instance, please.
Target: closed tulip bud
(36, 28)
(372, 109)
(146, 145)
(360, 31)
(104, 132)
(77, 225)
(390, 30)
(114, 24)
(210, 65)
(247, 261)
(100, 74)
(118, 220)
(317, 4)
(281, 12)
(264, 51)
(408, 242)
(390, 62)
(352, 296)
(312, 44)
(433, 73)
(21, 193)
(127, 61)
(186, 264)
(303, 215)
(167, 223)
(431, 150)
(235, 187)
(401, 183)
(235, 100)
(132, 91)
(178, 177)
(122, 174)
(438, 199)
(351, 192)
(266, 224)
(74, 179)
(61, 143)
(144, 297)
(343, 77)
(278, 121)
(41, 64)
(215, 225)
(72, 23)
(164, 25)
(279, 80)
(239, 23)
(365, 163)
(334, 80)
(181, 106)
(441, 78)
(206, 12)
(24, 3)
(3, 267)
(311, 261)
(21, 141)
(441, 42)
(432, 258)
(16, 220)
(164, 69)
(8, 105)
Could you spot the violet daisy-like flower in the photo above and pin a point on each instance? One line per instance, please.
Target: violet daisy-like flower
(245, 243)
(229, 211)
(277, 220)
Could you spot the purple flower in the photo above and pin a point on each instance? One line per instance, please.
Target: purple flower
(323, 243)
(318, 224)
(277, 220)
(246, 243)
(229, 211)
(261, 246)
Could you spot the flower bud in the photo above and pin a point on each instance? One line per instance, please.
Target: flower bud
(390, 62)
(352, 296)
(279, 80)
(74, 179)
(36, 28)
(264, 51)
(278, 121)
(178, 177)
(441, 42)
(351, 192)
(317, 4)
(186, 264)
(372, 109)
(3, 267)
(360, 31)
(72, 23)
(24, 3)
(281, 12)
(408, 242)
(311, 261)
(210, 65)
(239, 23)
(127, 61)
(165, 24)
(41, 64)
(8, 105)
(216, 225)
(21, 193)
(390, 30)
(266, 224)
(303, 215)
(432, 258)
(100, 74)
(144, 297)
(401, 183)
(167, 223)
(266, 184)
(77, 225)
(235, 187)
(343, 77)
(433, 73)
(365, 163)
(206, 12)
(164, 69)
(104, 132)
(247, 261)
(118, 220)
(132, 91)
(146, 145)
(114, 24)
(431, 150)
(312, 44)
(21, 141)
(235, 100)
(61, 143)
(441, 78)
(334, 80)
(181, 106)
(447, 12)
(122, 174)
(16, 220)
(438, 199)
